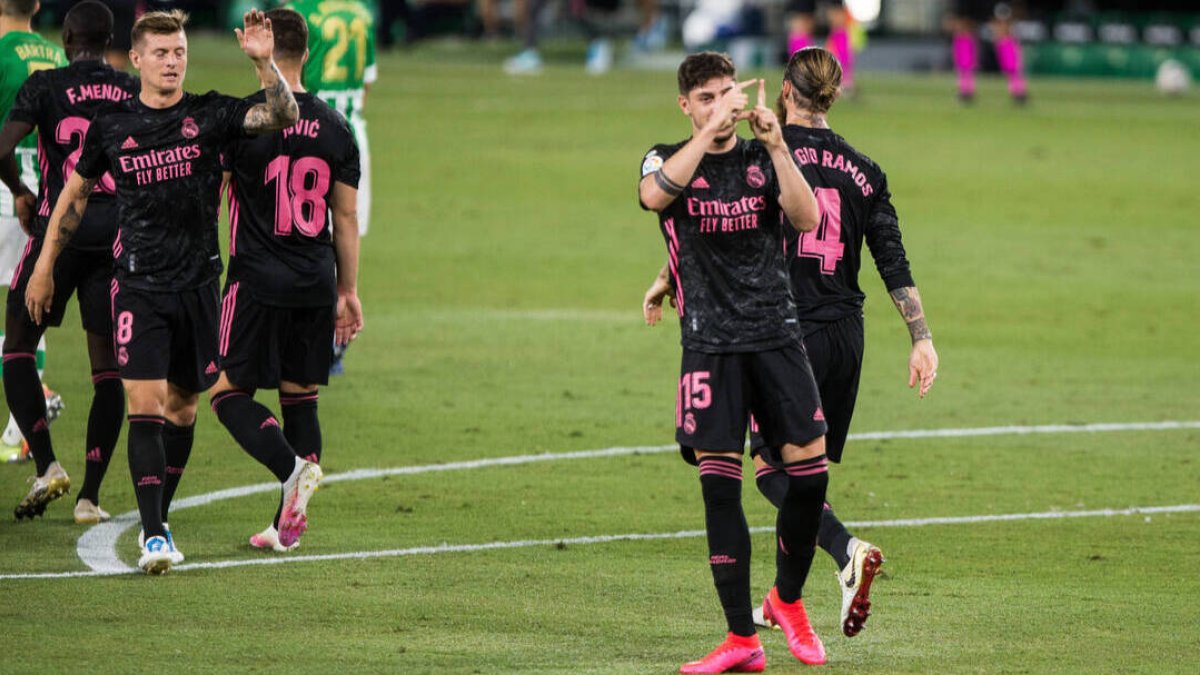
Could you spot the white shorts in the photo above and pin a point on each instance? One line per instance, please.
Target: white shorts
(12, 247)
(364, 182)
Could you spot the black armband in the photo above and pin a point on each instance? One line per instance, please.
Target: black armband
(666, 184)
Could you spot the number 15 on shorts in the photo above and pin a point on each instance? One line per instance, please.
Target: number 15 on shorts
(694, 393)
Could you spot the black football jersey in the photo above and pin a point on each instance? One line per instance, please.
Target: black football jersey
(167, 169)
(61, 103)
(281, 232)
(855, 204)
(724, 236)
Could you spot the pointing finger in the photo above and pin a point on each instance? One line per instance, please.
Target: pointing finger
(762, 93)
(747, 83)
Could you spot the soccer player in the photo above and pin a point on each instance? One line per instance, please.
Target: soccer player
(23, 52)
(341, 69)
(291, 273)
(855, 205)
(964, 25)
(61, 103)
(721, 201)
(162, 148)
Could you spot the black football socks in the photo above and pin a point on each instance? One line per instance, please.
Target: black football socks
(27, 402)
(177, 448)
(728, 539)
(255, 429)
(147, 467)
(103, 429)
(301, 427)
(798, 523)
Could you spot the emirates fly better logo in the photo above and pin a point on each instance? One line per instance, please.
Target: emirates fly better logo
(189, 130)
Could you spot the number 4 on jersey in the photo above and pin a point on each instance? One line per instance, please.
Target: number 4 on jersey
(825, 242)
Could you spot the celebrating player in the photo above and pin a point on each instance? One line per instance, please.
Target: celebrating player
(162, 148)
(23, 52)
(720, 201)
(290, 276)
(61, 103)
(855, 205)
(341, 69)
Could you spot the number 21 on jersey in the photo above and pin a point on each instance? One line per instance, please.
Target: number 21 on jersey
(825, 242)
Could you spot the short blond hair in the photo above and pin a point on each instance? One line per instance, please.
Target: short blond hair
(158, 23)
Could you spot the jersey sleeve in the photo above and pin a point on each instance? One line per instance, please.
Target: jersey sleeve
(93, 161)
(28, 101)
(233, 111)
(348, 169)
(653, 161)
(883, 238)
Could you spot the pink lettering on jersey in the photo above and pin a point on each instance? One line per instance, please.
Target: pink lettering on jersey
(96, 92)
(305, 127)
(726, 217)
(156, 166)
(838, 163)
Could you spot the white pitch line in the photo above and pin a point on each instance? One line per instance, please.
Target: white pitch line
(97, 546)
(607, 539)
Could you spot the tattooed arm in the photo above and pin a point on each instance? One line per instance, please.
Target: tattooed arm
(923, 360)
(68, 211)
(280, 109)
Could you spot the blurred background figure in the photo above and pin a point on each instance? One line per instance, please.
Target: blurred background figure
(653, 28)
(489, 17)
(801, 21)
(594, 18)
(845, 38)
(964, 25)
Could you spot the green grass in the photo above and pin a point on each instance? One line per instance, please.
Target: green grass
(1055, 249)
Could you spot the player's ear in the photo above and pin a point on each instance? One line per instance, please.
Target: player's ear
(683, 105)
(304, 59)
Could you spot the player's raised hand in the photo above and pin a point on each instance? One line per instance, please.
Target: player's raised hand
(728, 109)
(39, 292)
(922, 365)
(652, 303)
(257, 40)
(763, 121)
(349, 318)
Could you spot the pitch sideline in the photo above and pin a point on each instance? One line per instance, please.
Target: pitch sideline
(96, 548)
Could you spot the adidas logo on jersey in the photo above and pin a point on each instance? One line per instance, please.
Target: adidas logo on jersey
(129, 143)
(819, 416)
(700, 184)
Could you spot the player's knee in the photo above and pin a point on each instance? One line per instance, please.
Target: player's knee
(147, 397)
(286, 387)
(798, 453)
(100, 352)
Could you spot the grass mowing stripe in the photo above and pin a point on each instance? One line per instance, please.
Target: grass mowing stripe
(611, 538)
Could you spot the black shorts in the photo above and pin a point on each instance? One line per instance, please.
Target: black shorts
(167, 335)
(87, 274)
(718, 393)
(261, 345)
(835, 350)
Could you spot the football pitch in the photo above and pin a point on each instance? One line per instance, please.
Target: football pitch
(502, 491)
